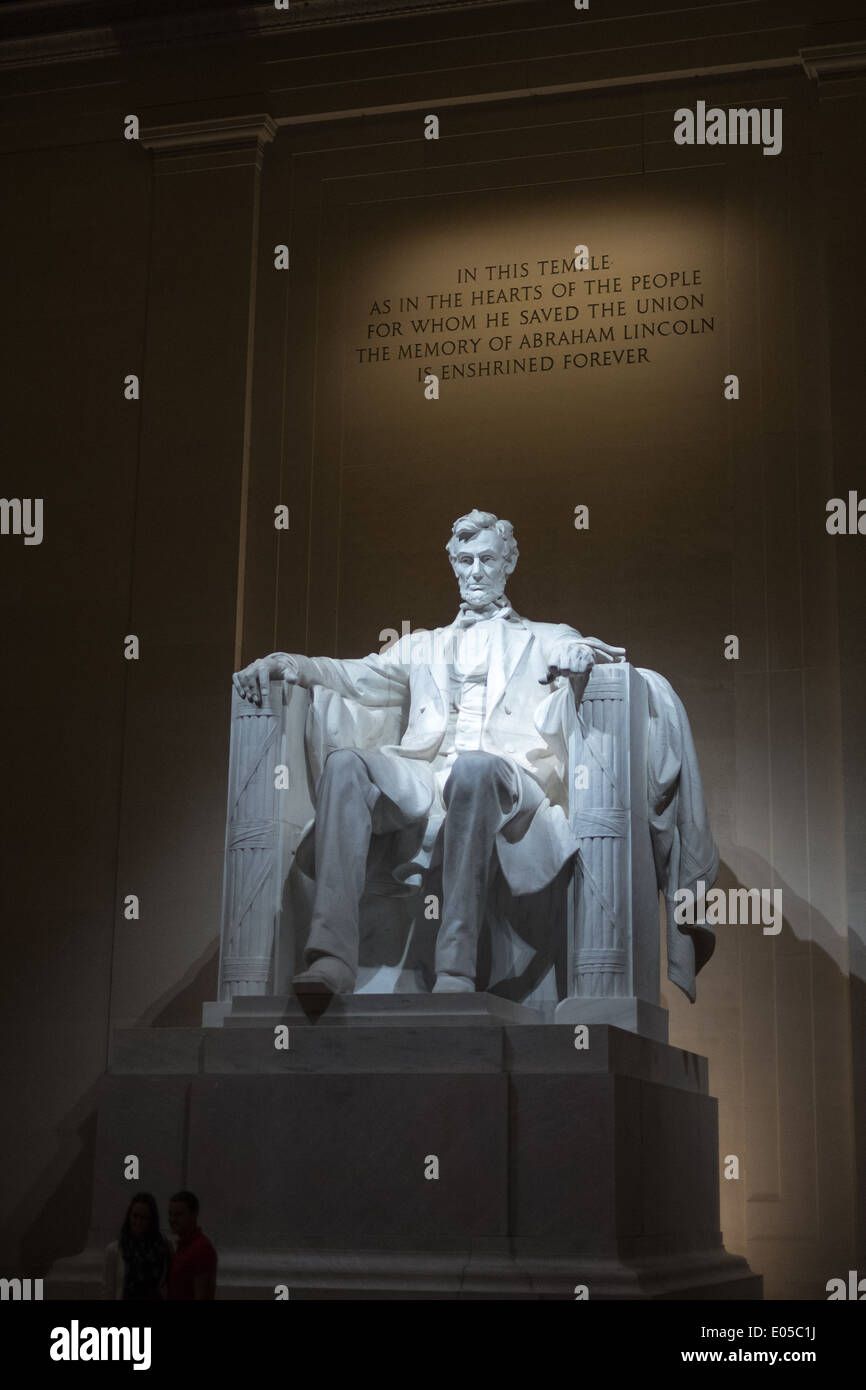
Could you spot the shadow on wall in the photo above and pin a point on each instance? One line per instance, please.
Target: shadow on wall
(60, 1197)
(53, 1218)
(763, 1093)
(181, 1007)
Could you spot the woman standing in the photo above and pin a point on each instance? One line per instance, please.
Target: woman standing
(136, 1264)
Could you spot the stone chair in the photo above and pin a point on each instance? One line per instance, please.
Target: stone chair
(584, 950)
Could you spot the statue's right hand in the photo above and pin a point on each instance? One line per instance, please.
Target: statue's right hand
(253, 682)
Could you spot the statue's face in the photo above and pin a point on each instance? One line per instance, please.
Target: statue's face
(480, 568)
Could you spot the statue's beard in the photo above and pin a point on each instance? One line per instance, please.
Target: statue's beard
(486, 597)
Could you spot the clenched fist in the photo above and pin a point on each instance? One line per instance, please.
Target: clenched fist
(253, 682)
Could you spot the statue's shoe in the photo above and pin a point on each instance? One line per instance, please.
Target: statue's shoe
(454, 984)
(327, 975)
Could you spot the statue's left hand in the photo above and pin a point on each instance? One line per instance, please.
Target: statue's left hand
(573, 659)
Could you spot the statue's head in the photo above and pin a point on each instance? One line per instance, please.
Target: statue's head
(483, 553)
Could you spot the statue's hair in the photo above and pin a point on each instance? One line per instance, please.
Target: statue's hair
(468, 526)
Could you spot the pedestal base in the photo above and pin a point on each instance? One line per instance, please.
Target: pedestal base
(374, 1010)
(398, 1010)
(481, 1160)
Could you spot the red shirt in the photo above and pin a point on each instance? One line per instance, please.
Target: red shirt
(193, 1256)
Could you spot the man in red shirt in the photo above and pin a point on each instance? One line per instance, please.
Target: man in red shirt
(193, 1269)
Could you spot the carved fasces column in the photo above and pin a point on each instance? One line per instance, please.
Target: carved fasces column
(601, 961)
(268, 804)
(613, 914)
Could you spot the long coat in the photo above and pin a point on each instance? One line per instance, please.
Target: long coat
(524, 722)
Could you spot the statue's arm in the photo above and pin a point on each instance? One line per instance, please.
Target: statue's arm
(380, 679)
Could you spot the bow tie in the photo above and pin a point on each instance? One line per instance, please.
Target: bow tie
(467, 616)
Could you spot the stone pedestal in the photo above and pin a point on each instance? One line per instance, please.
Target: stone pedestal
(391, 1159)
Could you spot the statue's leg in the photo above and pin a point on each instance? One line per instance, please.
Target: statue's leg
(479, 795)
(350, 808)
(345, 801)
